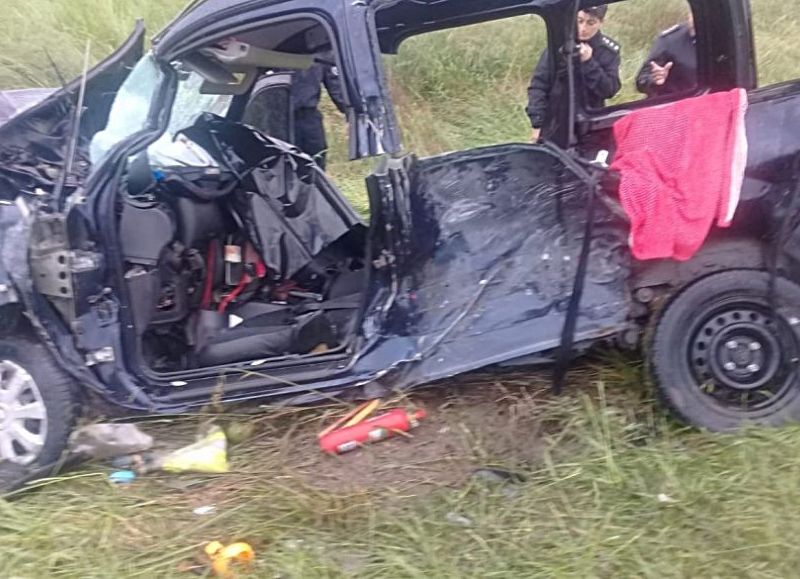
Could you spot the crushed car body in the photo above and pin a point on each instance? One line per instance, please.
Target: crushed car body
(163, 250)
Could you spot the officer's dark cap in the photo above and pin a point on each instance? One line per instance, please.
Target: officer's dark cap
(598, 12)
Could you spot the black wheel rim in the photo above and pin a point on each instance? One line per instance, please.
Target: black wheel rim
(742, 357)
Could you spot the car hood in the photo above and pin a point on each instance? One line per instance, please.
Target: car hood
(35, 135)
(13, 102)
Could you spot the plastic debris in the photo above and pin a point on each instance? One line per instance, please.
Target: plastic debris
(497, 475)
(222, 557)
(207, 455)
(121, 477)
(460, 520)
(139, 463)
(663, 498)
(104, 441)
(238, 432)
(206, 510)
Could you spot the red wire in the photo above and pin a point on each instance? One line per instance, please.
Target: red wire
(223, 305)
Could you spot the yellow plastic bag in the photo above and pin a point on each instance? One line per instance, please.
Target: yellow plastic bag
(209, 454)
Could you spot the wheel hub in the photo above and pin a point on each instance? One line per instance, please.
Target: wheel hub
(739, 357)
(744, 356)
(23, 416)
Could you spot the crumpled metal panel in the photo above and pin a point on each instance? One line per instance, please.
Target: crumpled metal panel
(34, 143)
(487, 273)
(293, 211)
(13, 102)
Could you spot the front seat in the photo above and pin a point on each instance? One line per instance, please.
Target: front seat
(269, 335)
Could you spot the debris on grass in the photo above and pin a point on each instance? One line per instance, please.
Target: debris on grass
(356, 429)
(105, 441)
(497, 476)
(458, 520)
(139, 463)
(207, 455)
(121, 477)
(224, 558)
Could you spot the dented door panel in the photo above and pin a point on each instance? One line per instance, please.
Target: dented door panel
(484, 249)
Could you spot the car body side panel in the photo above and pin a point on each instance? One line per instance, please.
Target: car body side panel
(485, 270)
(773, 133)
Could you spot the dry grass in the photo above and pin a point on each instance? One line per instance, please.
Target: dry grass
(611, 490)
(597, 460)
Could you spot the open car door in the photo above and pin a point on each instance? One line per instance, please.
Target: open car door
(481, 252)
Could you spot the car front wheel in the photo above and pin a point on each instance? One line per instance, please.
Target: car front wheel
(37, 407)
(722, 358)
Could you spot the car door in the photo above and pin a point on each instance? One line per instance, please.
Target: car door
(477, 252)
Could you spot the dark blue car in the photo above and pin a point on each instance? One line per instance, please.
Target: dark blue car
(161, 243)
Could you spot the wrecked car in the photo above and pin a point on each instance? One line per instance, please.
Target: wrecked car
(163, 245)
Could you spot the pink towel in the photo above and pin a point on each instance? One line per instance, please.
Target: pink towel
(681, 169)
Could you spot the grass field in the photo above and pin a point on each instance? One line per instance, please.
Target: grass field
(613, 489)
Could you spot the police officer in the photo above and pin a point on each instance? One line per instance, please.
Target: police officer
(671, 66)
(599, 62)
(306, 93)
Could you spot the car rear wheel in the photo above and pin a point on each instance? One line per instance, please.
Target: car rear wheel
(37, 407)
(721, 357)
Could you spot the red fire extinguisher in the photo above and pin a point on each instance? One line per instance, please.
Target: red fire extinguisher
(371, 430)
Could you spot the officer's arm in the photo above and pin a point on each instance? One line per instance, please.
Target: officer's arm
(602, 78)
(333, 84)
(644, 80)
(539, 91)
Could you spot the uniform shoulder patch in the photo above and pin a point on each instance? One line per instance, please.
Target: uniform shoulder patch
(610, 43)
(671, 29)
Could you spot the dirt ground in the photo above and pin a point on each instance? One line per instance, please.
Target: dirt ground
(477, 423)
(482, 420)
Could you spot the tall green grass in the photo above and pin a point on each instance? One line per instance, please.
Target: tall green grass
(39, 37)
(452, 90)
(617, 493)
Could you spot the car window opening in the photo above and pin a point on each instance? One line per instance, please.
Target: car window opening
(236, 245)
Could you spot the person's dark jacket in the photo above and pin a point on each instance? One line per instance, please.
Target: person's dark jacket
(599, 76)
(675, 45)
(307, 87)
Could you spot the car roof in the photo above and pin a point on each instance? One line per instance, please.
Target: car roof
(395, 19)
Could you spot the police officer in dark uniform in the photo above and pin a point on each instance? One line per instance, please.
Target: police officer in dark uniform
(671, 66)
(306, 93)
(599, 62)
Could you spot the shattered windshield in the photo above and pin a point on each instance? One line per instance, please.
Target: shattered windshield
(131, 109)
(190, 102)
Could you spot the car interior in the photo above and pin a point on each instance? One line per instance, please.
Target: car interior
(237, 247)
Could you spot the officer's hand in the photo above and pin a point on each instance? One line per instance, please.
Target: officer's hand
(586, 52)
(660, 74)
(535, 135)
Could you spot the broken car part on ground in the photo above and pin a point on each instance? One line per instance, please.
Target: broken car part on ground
(157, 250)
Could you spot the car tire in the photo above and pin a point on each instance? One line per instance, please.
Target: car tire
(721, 359)
(38, 408)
